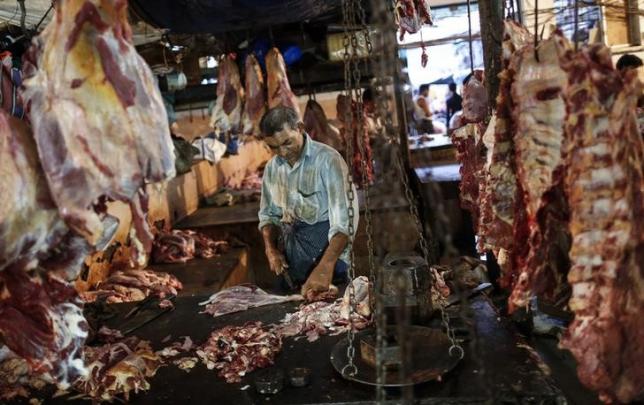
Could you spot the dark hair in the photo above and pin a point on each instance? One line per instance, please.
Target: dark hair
(452, 86)
(628, 61)
(367, 95)
(423, 87)
(276, 118)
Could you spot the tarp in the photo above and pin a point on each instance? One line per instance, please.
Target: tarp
(215, 16)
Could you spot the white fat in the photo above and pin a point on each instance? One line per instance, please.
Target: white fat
(607, 176)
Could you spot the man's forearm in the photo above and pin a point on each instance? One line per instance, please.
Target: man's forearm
(269, 233)
(336, 246)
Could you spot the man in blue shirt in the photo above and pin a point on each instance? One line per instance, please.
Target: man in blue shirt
(304, 214)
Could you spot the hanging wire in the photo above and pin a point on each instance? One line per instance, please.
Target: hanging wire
(469, 34)
(575, 35)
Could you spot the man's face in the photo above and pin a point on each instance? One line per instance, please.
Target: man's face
(287, 143)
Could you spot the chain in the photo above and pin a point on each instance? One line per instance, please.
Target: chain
(350, 368)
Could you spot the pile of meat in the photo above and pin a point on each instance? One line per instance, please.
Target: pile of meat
(239, 109)
(177, 354)
(118, 369)
(133, 285)
(16, 378)
(237, 350)
(242, 297)
(178, 246)
(560, 199)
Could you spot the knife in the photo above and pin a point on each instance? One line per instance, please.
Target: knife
(288, 279)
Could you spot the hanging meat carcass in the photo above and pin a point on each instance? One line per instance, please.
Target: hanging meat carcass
(99, 121)
(226, 116)
(317, 126)
(40, 319)
(604, 183)
(255, 105)
(355, 130)
(411, 15)
(541, 214)
(279, 89)
(475, 105)
(499, 193)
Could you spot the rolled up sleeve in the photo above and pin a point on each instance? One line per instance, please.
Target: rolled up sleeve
(335, 180)
(268, 211)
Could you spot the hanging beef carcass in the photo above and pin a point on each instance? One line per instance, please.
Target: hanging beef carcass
(255, 105)
(475, 105)
(40, 319)
(412, 15)
(499, 193)
(279, 89)
(604, 157)
(540, 259)
(99, 121)
(226, 116)
(354, 130)
(317, 126)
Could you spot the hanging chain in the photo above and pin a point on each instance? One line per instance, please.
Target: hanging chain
(469, 33)
(350, 368)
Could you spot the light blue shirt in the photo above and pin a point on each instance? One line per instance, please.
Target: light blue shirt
(312, 191)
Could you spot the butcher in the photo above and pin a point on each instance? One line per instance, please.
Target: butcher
(304, 216)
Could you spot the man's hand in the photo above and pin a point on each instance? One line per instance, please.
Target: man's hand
(276, 261)
(320, 278)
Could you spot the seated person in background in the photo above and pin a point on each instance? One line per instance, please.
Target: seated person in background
(422, 113)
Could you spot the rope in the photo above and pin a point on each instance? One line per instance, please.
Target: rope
(575, 35)
(469, 34)
(536, 29)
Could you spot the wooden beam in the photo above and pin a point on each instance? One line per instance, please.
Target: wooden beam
(491, 15)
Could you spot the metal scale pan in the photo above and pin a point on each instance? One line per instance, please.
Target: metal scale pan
(430, 358)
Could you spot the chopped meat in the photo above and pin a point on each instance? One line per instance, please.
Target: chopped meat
(604, 183)
(226, 116)
(117, 369)
(242, 297)
(317, 126)
(107, 335)
(279, 89)
(16, 377)
(98, 117)
(134, 285)
(238, 350)
(165, 304)
(179, 246)
(255, 105)
(333, 318)
(186, 363)
(539, 267)
(475, 105)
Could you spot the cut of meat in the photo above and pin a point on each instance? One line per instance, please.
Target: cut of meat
(134, 285)
(16, 378)
(118, 369)
(179, 246)
(238, 350)
(241, 298)
(604, 183)
(412, 15)
(279, 89)
(29, 222)
(226, 116)
(99, 121)
(330, 294)
(41, 320)
(255, 105)
(354, 130)
(471, 154)
(318, 128)
(498, 199)
(332, 318)
(541, 214)
(475, 105)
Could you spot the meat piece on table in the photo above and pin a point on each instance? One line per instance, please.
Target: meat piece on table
(255, 105)
(134, 285)
(242, 297)
(179, 246)
(226, 116)
(279, 89)
(98, 117)
(604, 183)
(238, 350)
(330, 294)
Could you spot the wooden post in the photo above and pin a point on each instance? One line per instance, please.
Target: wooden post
(491, 16)
(633, 20)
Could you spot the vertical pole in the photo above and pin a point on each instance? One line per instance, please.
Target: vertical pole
(633, 22)
(491, 17)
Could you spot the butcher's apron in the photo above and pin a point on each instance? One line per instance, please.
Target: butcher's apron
(303, 245)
